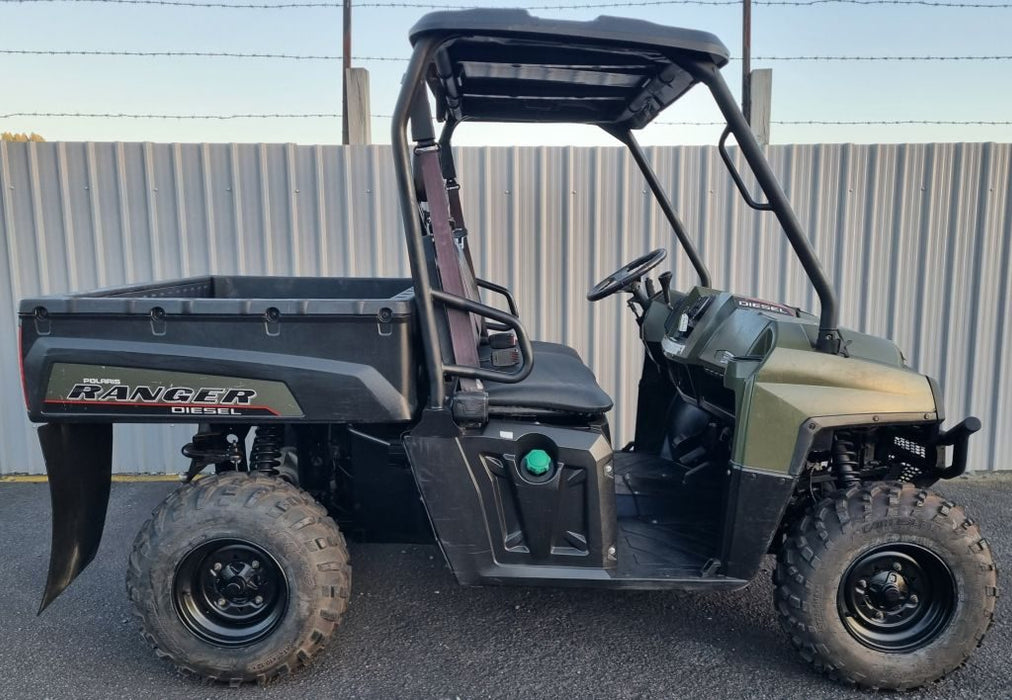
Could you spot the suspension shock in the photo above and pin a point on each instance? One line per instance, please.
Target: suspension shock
(266, 453)
(846, 461)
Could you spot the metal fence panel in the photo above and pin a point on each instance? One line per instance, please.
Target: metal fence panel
(916, 237)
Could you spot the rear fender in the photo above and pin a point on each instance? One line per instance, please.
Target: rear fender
(79, 464)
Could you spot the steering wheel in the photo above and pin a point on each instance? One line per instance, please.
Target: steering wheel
(626, 276)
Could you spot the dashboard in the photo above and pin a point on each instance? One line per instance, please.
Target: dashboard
(708, 331)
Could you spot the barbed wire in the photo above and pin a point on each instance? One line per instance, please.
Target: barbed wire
(881, 58)
(771, 3)
(860, 122)
(330, 4)
(191, 54)
(894, 122)
(222, 117)
(334, 115)
(401, 59)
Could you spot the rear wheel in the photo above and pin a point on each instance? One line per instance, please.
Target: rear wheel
(886, 586)
(239, 577)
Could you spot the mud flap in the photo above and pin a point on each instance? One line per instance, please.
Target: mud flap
(79, 464)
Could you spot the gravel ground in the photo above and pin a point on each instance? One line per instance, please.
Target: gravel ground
(411, 632)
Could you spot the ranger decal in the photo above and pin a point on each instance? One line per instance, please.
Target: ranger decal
(144, 392)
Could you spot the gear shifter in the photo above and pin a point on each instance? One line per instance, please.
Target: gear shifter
(665, 280)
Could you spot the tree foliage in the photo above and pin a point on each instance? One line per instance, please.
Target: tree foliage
(21, 138)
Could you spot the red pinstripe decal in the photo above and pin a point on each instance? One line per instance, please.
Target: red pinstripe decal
(89, 402)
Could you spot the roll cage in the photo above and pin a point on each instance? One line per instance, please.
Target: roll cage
(508, 66)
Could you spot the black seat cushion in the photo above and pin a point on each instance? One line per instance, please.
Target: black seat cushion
(541, 346)
(559, 382)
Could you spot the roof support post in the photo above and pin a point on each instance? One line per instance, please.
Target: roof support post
(446, 150)
(626, 137)
(829, 335)
(412, 104)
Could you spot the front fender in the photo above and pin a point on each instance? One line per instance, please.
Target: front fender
(757, 501)
(801, 389)
(79, 464)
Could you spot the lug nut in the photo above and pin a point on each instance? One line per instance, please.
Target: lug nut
(259, 600)
(217, 566)
(914, 599)
(879, 615)
(222, 602)
(897, 566)
(255, 564)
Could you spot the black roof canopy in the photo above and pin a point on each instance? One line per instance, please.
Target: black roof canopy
(507, 65)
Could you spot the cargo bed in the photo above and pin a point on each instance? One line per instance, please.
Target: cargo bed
(224, 348)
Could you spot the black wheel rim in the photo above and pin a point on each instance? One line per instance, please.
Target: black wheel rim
(230, 592)
(897, 597)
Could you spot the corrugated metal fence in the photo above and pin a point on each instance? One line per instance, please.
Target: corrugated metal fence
(916, 237)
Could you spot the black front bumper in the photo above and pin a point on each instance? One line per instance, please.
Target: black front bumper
(958, 436)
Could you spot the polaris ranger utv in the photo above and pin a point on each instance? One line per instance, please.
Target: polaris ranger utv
(405, 409)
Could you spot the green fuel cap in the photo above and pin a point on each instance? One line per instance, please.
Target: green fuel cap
(537, 462)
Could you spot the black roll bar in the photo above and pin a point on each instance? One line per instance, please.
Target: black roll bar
(736, 176)
(511, 302)
(507, 319)
(445, 152)
(412, 106)
(411, 88)
(829, 334)
(626, 137)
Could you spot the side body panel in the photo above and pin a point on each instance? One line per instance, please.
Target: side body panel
(495, 526)
(793, 386)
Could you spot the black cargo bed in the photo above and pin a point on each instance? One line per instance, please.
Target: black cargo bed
(240, 294)
(224, 348)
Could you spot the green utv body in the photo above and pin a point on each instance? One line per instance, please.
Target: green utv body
(407, 409)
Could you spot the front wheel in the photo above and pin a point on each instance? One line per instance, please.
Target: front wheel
(885, 586)
(239, 577)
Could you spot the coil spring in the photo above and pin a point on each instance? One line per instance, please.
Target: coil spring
(846, 461)
(266, 453)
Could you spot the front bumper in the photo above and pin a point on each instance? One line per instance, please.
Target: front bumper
(958, 437)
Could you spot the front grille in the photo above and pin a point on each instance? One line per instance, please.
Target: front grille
(910, 447)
